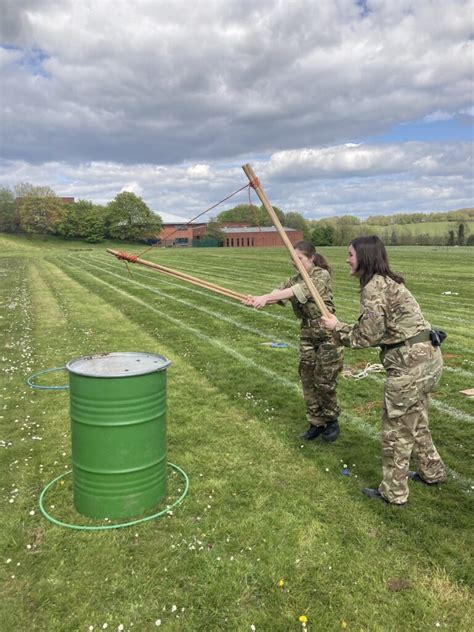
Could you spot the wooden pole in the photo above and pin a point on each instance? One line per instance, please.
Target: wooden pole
(249, 172)
(179, 275)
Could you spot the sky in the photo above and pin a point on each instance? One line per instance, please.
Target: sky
(341, 106)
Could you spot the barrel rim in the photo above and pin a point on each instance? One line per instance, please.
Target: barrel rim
(164, 364)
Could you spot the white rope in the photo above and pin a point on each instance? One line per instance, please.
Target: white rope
(359, 375)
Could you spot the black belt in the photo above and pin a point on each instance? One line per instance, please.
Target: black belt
(423, 336)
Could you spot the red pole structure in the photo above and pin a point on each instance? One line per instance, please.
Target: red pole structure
(254, 182)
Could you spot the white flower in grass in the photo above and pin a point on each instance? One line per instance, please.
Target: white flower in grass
(253, 628)
(173, 608)
(158, 622)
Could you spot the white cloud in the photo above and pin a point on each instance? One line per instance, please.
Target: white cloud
(168, 99)
(168, 81)
(437, 116)
(199, 172)
(363, 180)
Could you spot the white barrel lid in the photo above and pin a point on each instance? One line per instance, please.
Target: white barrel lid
(117, 364)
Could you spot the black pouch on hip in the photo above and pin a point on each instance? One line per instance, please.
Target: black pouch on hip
(437, 336)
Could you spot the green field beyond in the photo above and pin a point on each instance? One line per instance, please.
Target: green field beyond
(272, 529)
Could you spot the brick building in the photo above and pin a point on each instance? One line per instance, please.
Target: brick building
(236, 235)
(181, 235)
(258, 236)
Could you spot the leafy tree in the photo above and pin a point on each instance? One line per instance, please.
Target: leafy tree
(92, 223)
(393, 238)
(8, 212)
(214, 230)
(241, 214)
(379, 220)
(129, 218)
(349, 220)
(250, 215)
(296, 220)
(461, 235)
(83, 220)
(323, 235)
(451, 239)
(68, 226)
(39, 209)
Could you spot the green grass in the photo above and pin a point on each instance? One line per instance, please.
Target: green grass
(261, 506)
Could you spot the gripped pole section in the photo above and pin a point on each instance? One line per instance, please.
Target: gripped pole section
(249, 172)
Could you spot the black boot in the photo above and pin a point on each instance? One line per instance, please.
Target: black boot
(376, 495)
(373, 493)
(331, 431)
(312, 432)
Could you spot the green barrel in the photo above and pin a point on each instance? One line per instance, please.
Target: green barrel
(118, 423)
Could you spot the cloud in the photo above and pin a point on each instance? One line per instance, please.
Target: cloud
(362, 180)
(169, 98)
(164, 82)
(437, 116)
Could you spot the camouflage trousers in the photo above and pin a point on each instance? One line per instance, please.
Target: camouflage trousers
(321, 361)
(412, 373)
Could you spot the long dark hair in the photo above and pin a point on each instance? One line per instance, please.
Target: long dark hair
(308, 249)
(372, 259)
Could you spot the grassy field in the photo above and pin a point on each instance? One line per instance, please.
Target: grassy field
(271, 529)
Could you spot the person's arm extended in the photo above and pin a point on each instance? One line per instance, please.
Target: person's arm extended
(273, 297)
(366, 332)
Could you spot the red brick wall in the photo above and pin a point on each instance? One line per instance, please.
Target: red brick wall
(259, 239)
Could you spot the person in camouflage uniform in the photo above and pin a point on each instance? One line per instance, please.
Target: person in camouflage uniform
(321, 359)
(391, 318)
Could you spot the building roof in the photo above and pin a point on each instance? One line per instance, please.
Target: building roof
(255, 229)
(184, 222)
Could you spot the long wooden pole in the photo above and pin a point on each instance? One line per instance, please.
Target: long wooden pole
(179, 275)
(249, 172)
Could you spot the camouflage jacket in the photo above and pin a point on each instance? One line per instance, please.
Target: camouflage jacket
(389, 314)
(302, 301)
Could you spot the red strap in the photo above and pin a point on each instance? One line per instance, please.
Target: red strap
(126, 257)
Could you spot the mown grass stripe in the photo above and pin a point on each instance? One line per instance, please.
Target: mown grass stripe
(361, 424)
(182, 325)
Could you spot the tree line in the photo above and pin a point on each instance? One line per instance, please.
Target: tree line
(32, 209)
(38, 210)
(338, 231)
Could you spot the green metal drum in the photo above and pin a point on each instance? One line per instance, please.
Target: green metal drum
(118, 422)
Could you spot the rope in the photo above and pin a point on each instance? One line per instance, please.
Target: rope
(246, 186)
(359, 375)
(112, 526)
(46, 388)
